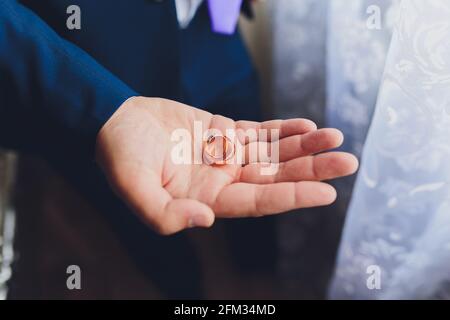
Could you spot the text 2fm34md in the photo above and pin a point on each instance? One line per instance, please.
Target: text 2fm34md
(226, 309)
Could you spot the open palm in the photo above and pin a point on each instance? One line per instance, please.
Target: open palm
(134, 150)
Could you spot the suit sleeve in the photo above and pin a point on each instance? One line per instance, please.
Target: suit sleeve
(48, 85)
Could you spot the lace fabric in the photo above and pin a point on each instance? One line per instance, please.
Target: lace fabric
(331, 65)
(399, 218)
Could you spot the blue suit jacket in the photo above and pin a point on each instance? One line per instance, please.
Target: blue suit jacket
(58, 87)
(56, 82)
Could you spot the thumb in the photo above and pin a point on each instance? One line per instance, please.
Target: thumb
(166, 215)
(179, 214)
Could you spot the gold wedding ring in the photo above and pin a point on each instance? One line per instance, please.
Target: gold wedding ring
(217, 150)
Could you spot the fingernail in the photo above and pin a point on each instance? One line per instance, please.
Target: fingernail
(198, 221)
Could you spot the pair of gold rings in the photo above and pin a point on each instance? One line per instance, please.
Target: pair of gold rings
(217, 150)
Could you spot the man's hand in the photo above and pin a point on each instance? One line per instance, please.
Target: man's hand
(134, 150)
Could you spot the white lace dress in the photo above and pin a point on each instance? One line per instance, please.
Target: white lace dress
(393, 78)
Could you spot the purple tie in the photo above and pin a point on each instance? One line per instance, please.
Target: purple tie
(224, 15)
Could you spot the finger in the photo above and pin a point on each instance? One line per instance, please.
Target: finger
(294, 146)
(321, 167)
(165, 214)
(285, 128)
(253, 200)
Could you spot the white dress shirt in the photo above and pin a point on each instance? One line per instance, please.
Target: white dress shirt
(186, 10)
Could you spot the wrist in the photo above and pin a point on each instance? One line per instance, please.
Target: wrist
(103, 139)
